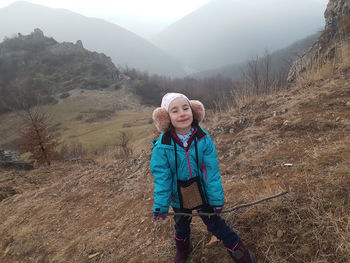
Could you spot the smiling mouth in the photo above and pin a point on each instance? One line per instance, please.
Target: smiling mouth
(183, 120)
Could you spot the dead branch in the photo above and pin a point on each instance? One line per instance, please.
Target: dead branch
(230, 209)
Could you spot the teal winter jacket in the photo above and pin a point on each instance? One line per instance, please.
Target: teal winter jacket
(163, 167)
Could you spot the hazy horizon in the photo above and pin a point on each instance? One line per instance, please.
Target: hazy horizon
(228, 32)
(217, 33)
(144, 18)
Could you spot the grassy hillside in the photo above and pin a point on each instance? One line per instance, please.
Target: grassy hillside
(296, 140)
(93, 118)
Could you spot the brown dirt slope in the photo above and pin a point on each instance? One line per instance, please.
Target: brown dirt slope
(297, 140)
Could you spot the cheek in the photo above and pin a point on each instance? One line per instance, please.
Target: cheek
(172, 118)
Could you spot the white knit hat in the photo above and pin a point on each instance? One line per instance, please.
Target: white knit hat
(169, 97)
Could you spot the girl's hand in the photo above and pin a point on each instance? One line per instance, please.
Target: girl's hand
(217, 210)
(159, 217)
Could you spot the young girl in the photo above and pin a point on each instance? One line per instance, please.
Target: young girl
(186, 176)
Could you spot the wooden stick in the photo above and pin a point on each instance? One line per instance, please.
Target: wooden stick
(227, 210)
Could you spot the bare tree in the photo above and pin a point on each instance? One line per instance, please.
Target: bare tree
(260, 75)
(124, 144)
(267, 63)
(36, 138)
(252, 75)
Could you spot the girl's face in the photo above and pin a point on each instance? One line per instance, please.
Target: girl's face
(181, 115)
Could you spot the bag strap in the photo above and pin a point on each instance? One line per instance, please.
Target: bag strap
(195, 144)
(175, 156)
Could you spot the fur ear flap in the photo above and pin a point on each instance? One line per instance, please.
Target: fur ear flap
(161, 119)
(198, 110)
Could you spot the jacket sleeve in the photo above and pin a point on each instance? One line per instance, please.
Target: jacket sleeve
(162, 180)
(213, 184)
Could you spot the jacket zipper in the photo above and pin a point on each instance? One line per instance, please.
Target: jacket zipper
(189, 164)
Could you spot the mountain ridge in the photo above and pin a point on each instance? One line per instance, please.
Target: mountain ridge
(123, 46)
(281, 60)
(204, 39)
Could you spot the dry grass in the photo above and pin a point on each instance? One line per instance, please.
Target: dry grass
(70, 212)
(313, 218)
(318, 72)
(242, 98)
(323, 68)
(343, 56)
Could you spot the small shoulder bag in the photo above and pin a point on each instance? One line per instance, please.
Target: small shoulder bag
(190, 191)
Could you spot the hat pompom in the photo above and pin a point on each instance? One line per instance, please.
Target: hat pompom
(198, 110)
(161, 119)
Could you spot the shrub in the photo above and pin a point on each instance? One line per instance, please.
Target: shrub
(64, 95)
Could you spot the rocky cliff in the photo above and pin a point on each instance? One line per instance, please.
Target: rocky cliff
(39, 66)
(335, 36)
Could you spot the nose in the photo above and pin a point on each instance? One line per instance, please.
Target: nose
(182, 112)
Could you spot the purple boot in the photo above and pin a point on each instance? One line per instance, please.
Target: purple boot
(183, 250)
(241, 254)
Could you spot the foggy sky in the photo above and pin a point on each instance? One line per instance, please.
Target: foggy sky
(145, 18)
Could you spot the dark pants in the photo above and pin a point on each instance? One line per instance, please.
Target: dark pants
(215, 224)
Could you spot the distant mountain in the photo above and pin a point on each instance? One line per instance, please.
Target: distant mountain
(280, 60)
(226, 32)
(124, 47)
(34, 67)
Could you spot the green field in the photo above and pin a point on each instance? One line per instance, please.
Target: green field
(93, 118)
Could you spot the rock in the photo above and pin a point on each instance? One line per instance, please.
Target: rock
(148, 242)
(9, 156)
(279, 233)
(348, 103)
(271, 102)
(94, 255)
(336, 9)
(212, 241)
(79, 44)
(37, 34)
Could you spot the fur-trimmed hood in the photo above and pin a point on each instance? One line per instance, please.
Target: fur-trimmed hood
(161, 117)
